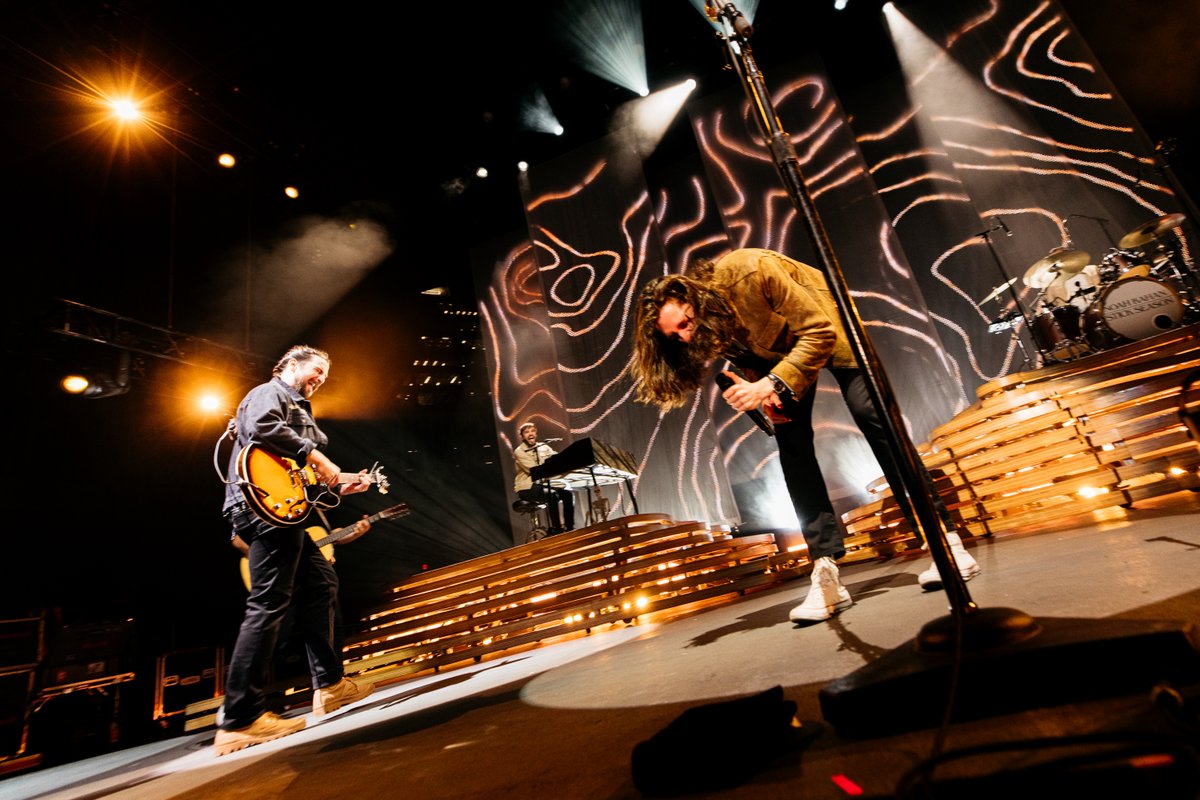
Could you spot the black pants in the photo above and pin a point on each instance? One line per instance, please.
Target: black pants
(552, 496)
(802, 473)
(284, 564)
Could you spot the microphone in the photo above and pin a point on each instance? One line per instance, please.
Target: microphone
(756, 414)
(1007, 232)
(552, 440)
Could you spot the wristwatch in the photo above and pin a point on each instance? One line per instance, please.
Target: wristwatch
(781, 388)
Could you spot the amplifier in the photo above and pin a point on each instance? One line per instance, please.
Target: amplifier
(16, 693)
(21, 643)
(87, 652)
(185, 677)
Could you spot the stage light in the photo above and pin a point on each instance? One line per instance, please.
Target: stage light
(481, 172)
(95, 385)
(522, 166)
(840, 5)
(608, 42)
(536, 114)
(226, 160)
(75, 384)
(125, 109)
(291, 191)
(644, 122)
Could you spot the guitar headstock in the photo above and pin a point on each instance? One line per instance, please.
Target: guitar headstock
(398, 510)
(377, 477)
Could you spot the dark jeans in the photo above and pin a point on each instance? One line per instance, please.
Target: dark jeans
(284, 564)
(552, 496)
(802, 473)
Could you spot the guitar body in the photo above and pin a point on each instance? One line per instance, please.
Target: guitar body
(278, 490)
(320, 536)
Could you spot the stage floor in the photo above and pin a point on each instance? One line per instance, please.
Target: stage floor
(561, 720)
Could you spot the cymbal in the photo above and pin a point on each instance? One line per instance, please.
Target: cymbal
(1059, 261)
(996, 292)
(1148, 232)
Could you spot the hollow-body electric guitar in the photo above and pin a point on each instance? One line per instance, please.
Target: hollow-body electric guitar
(325, 541)
(281, 492)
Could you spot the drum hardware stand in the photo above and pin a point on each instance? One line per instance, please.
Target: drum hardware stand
(1104, 225)
(1161, 150)
(1011, 660)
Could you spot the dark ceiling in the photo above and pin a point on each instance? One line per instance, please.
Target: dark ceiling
(385, 107)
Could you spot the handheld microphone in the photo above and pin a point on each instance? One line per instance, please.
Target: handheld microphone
(756, 414)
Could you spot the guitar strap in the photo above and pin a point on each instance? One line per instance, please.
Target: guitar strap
(230, 434)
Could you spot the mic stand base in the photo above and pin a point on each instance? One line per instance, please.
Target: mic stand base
(1010, 662)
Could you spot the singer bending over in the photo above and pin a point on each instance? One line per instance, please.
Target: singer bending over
(527, 455)
(773, 318)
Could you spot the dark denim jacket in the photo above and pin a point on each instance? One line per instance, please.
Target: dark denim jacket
(280, 419)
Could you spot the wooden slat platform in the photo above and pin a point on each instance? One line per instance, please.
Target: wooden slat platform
(614, 571)
(1096, 432)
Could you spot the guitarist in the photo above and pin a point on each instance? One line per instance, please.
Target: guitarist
(284, 561)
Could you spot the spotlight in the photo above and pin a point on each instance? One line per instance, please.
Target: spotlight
(75, 384)
(93, 387)
(226, 160)
(126, 110)
(99, 384)
(291, 191)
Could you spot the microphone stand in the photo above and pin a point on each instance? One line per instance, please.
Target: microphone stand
(1013, 661)
(917, 483)
(986, 235)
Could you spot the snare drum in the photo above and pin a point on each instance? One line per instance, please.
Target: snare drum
(1131, 309)
(1056, 331)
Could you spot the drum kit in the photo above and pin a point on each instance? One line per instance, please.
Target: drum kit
(1140, 288)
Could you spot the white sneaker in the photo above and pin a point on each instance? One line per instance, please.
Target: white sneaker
(826, 595)
(931, 580)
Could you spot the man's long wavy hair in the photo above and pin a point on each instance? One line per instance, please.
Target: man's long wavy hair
(666, 371)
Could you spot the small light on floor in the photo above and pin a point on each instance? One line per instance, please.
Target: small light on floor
(846, 785)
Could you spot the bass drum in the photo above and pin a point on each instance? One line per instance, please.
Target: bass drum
(1129, 310)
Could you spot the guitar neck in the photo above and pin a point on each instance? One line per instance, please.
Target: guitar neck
(352, 477)
(343, 532)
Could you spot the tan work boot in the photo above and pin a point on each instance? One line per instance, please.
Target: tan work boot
(267, 727)
(342, 693)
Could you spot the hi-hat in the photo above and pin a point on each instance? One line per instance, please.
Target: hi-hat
(1059, 261)
(1148, 232)
(996, 292)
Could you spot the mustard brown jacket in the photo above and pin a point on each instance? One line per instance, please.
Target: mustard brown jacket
(789, 316)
